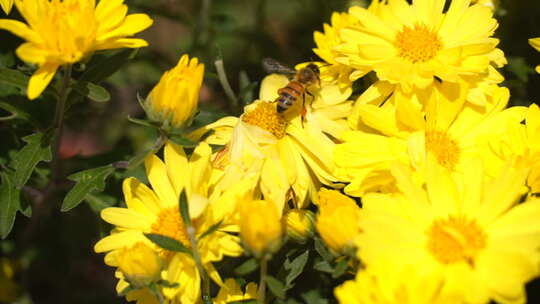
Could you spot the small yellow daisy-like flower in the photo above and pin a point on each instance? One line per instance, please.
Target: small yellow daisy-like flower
(156, 211)
(278, 148)
(338, 220)
(173, 101)
(260, 226)
(520, 145)
(412, 44)
(65, 32)
(140, 264)
(385, 283)
(6, 5)
(401, 131)
(463, 229)
(231, 292)
(535, 43)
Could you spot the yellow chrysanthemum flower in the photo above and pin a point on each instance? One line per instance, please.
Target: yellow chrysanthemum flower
(326, 42)
(398, 131)
(64, 32)
(520, 145)
(535, 43)
(6, 5)
(173, 101)
(387, 283)
(231, 292)
(299, 224)
(140, 264)
(412, 44)
(470, 230)
(338, 220)
(260, 226)
(156, 211)
(279, 149)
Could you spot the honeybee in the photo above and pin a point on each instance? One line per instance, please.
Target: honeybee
(297, 87)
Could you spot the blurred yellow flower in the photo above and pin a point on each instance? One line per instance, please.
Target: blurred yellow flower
(520, 147)
(535, 43)
(470, 230)
(6, 5)
(388, 283)
(338, 221)
(156, 211)
(413, 44)
(260, 226)
(231, 292)
(65, 32)
(173, 101)
(299, 224)
(140, 265)
(278, 149)
(403, 130)
(9, 289)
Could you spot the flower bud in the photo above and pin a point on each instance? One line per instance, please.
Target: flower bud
(299, 224)
(260, 226)
(338, 220)
(140, 265)
(173, 101)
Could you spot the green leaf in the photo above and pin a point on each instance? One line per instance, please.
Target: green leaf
(102, 68)
(143, 122)
(92, 91)
(99, 201)
(340, 268)
(275, 286)
(184, 209)
(211, 230)
(10, 203)
(21, 113)
(168, 284)
(37, 149)
(295, 268)
(167, 243)
(314, 296)
(88, 181)
(321, 249)
(323, 266)
(247, 267)
(13, 78)
(182, 141)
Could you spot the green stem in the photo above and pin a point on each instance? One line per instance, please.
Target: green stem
(206, 297)
(262, 282)
(58, 123)
(220, 68)
(9, 117)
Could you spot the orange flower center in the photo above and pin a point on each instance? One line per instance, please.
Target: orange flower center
(445, 149)
(455, 239)
(170, 224)
(418, 43)
(266, 117)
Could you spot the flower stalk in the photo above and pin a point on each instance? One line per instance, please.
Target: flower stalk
(58, 122)
(262, 281)
(206, 297)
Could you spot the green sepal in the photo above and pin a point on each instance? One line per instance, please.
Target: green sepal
(211, 230)
(184, 209)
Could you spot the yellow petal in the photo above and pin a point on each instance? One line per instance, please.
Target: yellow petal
(177, 166)
(157, 175)
(20, 29)
(126, 218)
(40, 79)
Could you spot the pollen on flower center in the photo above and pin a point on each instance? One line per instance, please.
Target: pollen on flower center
(170, 224)
(266, 117)
(418, 43)
(455, 239)
(445, 149)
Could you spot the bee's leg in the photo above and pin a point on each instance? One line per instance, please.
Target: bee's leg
(304, 110)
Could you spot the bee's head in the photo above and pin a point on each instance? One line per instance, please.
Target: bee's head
(314, 68)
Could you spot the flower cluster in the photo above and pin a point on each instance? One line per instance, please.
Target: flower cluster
(423, 187)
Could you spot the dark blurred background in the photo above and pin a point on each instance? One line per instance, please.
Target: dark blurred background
(51, 253)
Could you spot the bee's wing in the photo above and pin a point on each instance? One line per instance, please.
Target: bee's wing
(273, 66)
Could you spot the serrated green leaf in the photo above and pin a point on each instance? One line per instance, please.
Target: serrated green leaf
(9, 204)
(275, 286)
(295, 268)
(102, 69)
(184, 209)
(26, 159)
(167, 243)
(88, 181)
(340, 268)
(247, 267)
(211, 230)
(321, 249)
(92, 91)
